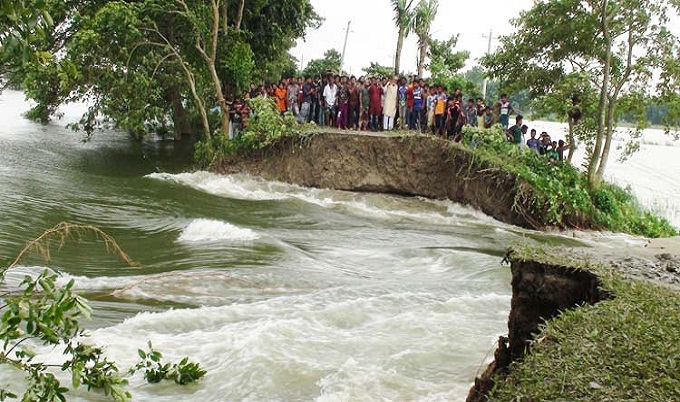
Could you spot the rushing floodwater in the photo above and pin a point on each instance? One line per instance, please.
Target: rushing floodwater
(282, 293)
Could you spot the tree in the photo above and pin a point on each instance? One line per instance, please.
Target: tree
(140, 64)
(423, 17)
(376, 70)
(329, 62)
(403, 16)
(606, 41)
(445, 62)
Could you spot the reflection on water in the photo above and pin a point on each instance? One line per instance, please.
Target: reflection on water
(280, 292)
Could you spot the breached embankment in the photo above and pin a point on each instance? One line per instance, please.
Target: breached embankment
(410, 165)
(540, 291)
(617, 349)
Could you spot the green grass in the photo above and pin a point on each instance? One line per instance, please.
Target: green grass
(622, 349)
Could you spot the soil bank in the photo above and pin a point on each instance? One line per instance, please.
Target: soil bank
(543, 288)
(410, 165)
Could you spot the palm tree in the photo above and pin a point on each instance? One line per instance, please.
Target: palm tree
(423, 16)
(403, 17)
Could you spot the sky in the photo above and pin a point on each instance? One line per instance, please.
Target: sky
(373, 35)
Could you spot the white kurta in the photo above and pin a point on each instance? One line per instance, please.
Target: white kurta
(390, 108)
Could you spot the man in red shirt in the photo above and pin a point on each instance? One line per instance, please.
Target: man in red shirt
(409, 105)
(375, 103)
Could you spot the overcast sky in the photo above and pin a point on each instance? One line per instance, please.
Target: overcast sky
(373, 35)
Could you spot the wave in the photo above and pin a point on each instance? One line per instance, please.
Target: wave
(375, 206)
(326, 345)
(208, 230)
(233, 186)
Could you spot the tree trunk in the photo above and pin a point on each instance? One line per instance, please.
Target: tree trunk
(594, 179)
(239, 14)
(199, 105)
(219, 94)
(225, 25)
(608, 138)
(210, 61)
(179, 116)
(397, 56)
(422, 52)
(571, 139)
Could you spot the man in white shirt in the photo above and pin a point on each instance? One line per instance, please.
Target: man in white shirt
(330, 93)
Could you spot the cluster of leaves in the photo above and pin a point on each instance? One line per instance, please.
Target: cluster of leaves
(144, 64)
(266, 126)
(624, 348)
(560, 192)
(30, 21)
(40, 312)
(46, 313)
(445, 62)
(183, 373)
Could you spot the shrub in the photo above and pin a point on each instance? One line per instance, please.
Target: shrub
(265, 127)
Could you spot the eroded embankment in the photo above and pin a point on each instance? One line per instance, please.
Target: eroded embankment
(410, 165)
(540, 292)
(586, 326)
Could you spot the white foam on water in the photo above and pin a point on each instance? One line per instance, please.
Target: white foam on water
(375, 206)
(16, 275)
(328, 345)
(238, 187)
(209, 230)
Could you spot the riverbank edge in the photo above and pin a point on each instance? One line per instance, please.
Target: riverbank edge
(553, 294)
(409, 165)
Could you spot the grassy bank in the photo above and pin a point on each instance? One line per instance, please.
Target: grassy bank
(624, 348)
(548, 195)
(560, 193)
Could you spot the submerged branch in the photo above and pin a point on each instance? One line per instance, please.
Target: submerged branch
(63, 231)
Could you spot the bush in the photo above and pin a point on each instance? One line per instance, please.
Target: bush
(265, 127)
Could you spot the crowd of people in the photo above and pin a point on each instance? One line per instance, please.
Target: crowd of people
(544, 145)
(384, 104)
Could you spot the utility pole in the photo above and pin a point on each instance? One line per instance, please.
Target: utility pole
(344, 47)
(488, 51)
